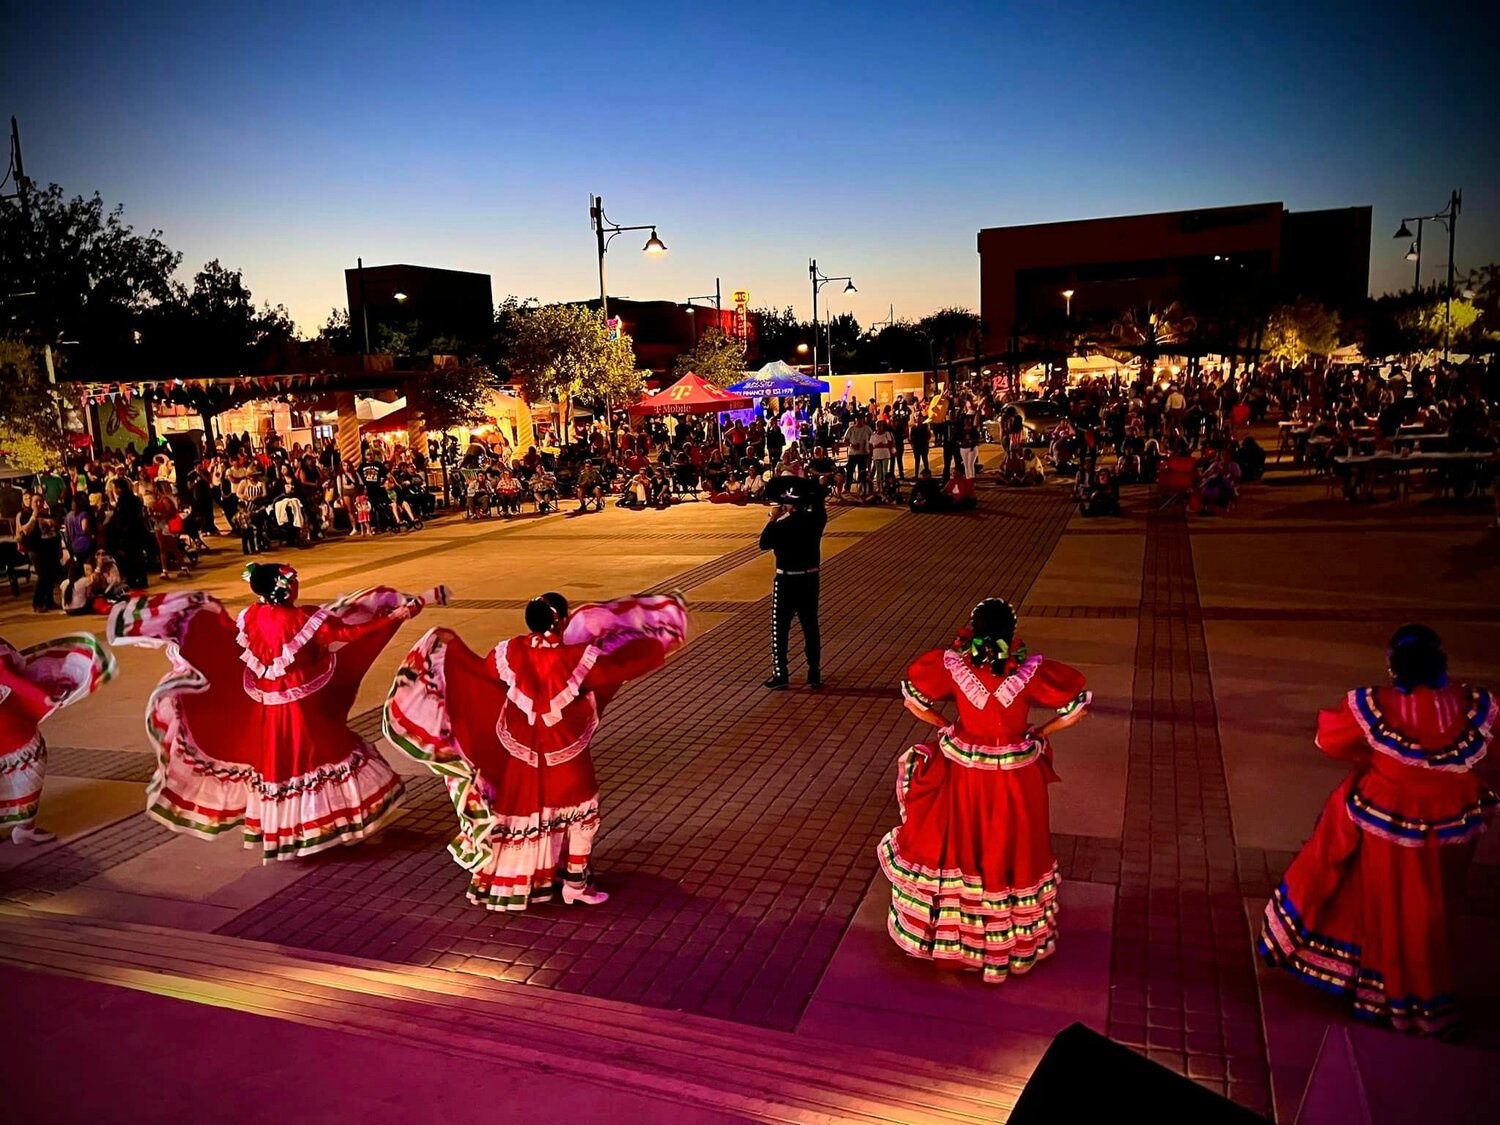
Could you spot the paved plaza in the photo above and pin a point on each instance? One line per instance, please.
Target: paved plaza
(741, 969)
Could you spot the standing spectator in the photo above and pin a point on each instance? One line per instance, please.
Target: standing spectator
(900, 420)
(857, 442)
(968, 445)
(882, 451)
(41, 539)
(362, 510)
(79, 530)
(166, 523)
(126, 534)
(919, 435)
(775, 442)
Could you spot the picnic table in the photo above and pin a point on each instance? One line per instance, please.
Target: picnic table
(1455, 470)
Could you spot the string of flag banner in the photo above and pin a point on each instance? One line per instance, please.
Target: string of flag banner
(98, 393)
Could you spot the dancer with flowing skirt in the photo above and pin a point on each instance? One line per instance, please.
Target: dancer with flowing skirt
(35, 682)
(251, 724)
(509, 733)
(1366, 910)
(973, 877)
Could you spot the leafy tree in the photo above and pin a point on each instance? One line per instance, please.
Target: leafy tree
(718, 358)
(335, 337)
(452, 396)
(777, 334)
(899, 346)
(1430, 325)
(73, 273)
(1299, 331)
(213, 328)
(564, 353)
(30, 426)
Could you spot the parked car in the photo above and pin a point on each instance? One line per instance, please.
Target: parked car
(1039, 417)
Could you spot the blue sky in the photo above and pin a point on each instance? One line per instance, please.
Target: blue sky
(287, 139)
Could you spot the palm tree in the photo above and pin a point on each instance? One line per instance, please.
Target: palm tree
(1147, 332)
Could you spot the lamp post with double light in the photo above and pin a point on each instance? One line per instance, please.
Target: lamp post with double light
(1449, 218)
(717, 297)
(818, 281)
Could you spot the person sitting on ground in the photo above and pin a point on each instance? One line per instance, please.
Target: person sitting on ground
(960, 491)
(661, 489)
(638, 489)
(927, 493)
(77, 588)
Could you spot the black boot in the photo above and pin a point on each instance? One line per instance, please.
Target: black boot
(814, 679)
(777, 683)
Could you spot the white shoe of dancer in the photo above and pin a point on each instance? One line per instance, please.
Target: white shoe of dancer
(586, 893)
(29, 834)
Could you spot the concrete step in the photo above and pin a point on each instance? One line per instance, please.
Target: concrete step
(679, 1058)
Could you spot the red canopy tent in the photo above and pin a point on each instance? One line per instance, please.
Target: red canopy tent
(690, 395)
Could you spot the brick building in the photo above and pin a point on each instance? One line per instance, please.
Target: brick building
(1200, 258)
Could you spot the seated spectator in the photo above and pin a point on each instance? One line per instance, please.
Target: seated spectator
(960, 491)
(590, 488)
(638, 490)
(927, 493)
(661, 489)
(479, 495)
(825, 470)
(508, 493)
(544, 489)
(1218, 482)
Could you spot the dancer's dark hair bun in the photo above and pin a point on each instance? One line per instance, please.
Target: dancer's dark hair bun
(542, 614)
(995, 619)
(271, 581)
(991, 640)
(1417, 658)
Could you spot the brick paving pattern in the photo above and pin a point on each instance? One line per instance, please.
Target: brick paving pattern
(740, 826)
(56, 869)
(103, 765)
(1182, 978)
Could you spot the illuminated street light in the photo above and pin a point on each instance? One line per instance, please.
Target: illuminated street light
(602, 227)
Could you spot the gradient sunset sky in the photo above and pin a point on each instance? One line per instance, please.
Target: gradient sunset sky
(287, 139)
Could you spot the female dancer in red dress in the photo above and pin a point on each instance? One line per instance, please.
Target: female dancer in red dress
(973, 877)
(251, 725)
(509, 732)
(35, 682)
(1366, 908)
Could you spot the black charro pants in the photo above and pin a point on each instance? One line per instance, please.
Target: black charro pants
(794, 594)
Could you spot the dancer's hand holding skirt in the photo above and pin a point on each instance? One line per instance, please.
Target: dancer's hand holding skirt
(247, 734)
(509, 733)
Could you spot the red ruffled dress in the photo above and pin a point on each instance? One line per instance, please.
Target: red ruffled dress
(34, 682)
(1366, 908)
(509, 733)
(973, 876)
(251, 725)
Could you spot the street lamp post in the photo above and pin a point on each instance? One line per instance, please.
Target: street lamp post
(818, 281)
(717, 297)
(602, 228)
(1068, 297)
(1449, 218)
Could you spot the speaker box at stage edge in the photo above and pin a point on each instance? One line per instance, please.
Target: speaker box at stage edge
(1087, 1077)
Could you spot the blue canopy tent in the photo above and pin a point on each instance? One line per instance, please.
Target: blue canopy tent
(778, 378)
